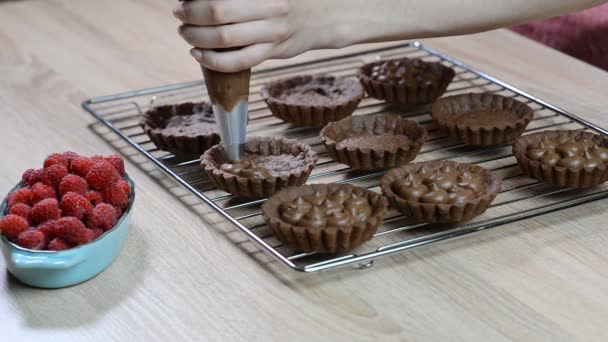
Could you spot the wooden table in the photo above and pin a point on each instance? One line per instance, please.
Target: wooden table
(181, 277)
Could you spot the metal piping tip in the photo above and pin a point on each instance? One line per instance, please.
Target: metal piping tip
(233, 128)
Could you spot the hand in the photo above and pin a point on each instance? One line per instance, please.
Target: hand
(264, 29)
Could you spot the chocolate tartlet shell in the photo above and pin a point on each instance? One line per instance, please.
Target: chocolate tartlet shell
(440, 213)
(408, 94)
(445, 109)
(259, 187)
(180, 144)
(373, 157)
(329, 239)
(305, 114)
(557, 175)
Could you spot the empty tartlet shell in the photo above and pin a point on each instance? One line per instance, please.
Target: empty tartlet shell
(181, 144)
(328, 239)
(212, 160)
(505, 132)
(558, 175)
(440, 213)
(407, 94)
(373, 157)
(305, 114)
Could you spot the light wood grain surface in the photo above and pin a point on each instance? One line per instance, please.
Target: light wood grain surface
(185, 275)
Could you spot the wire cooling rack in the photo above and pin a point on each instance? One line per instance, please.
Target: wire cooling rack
(520, 198)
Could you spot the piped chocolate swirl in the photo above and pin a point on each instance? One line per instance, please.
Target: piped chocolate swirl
(440, 191)
(573, 159)
(324, 218)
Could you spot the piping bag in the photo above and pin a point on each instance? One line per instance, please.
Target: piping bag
(229, 95)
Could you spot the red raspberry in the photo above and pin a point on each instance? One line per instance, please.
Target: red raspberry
(116, 195)
(125, 186)
(101, 175)
(54, 174)
(31, 177)
(73, 204)
(12, 225)
(45, 210)
(81, 166)
(97, 232)
(41, 191)
(69, 156)
(73, 183)
(118, 213)
(21, 209)
(55, 159)
(48, 228)
(31, 239)
(103, 216)
(96, 159)
(118, 163)
(23, 195)
(90, 235)
(95, 197)
(57, 244)
(71, 229)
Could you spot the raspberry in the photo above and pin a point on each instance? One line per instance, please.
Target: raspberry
(97, 232)
(116, 195)
(22, 195)
(118, 163)
(69, 156)
(73, 183)
(54, 174)
(101, 174)
(103, 216)
(118, 213)
(31, 239)
(55, 159)
(48, 228)
(21, 209)
(90, 235)
(73, 204)
(125, 186)
(81, 166)
(57, 244)
(12, 225)
(95, 197)
(45, 210)
(41, 191)
(31, 177)
(97, 159)
(71, 229)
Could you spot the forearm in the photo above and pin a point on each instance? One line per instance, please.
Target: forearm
(362, 21)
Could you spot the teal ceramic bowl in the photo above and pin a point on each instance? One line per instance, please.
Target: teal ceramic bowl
(49, 269)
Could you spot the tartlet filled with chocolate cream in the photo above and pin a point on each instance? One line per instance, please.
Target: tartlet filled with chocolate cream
(568, 159)
(268, 165)
(441, 191)
(184, 129)
(313, 100)
(406, 81)
(481, 119)
(324, 218)
(373, 142)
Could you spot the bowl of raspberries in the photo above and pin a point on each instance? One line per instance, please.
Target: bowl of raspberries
(66, 222)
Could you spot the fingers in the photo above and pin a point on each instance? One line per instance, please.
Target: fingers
(215, 12)
(234, 35)
(233, 61)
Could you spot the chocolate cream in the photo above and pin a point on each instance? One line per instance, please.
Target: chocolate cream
(406, 71)
(570, 152)
(447, 185)
(337, 209)
(227, 89)
(260, 166)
